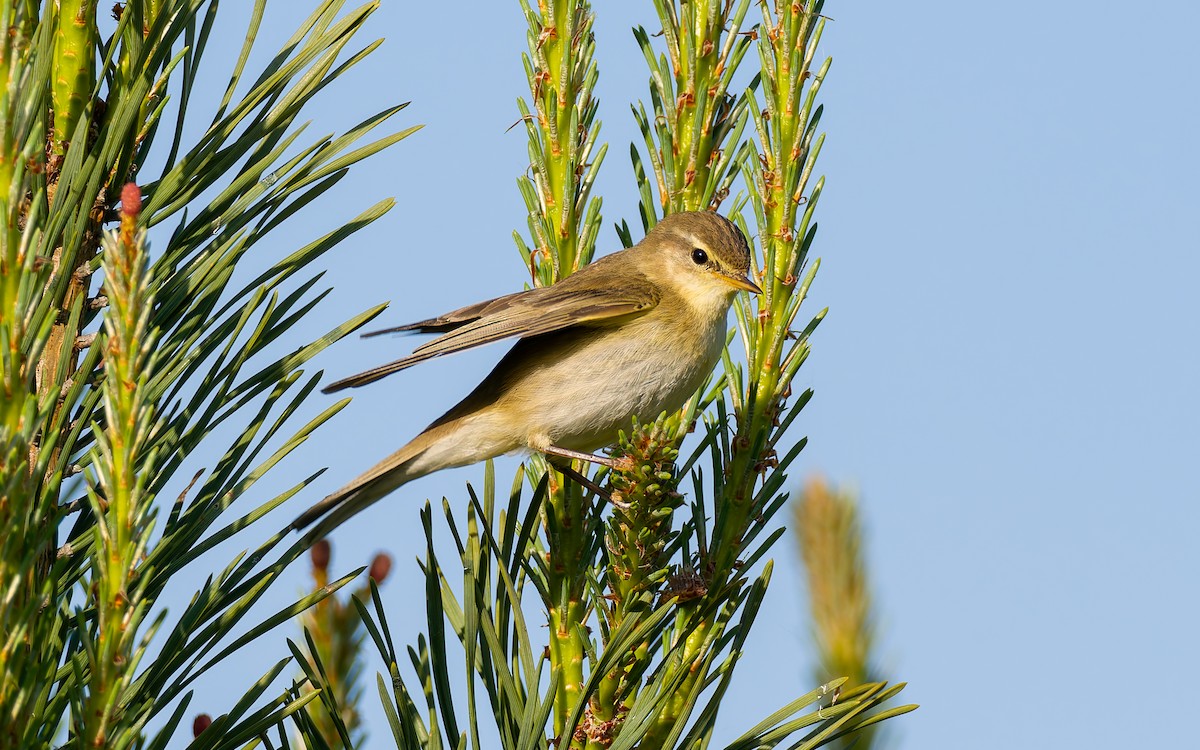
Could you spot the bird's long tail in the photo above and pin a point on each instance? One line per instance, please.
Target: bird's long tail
(408, 463)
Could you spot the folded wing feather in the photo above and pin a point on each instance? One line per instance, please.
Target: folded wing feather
(528, 313)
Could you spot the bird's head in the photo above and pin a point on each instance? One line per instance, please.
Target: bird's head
(702, 255)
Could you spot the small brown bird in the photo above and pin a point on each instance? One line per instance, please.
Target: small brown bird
(633, 334)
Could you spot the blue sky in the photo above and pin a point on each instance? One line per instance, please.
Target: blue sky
(1007, 372)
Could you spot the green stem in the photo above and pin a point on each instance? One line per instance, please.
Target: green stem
(122, 510)
(74, 68)
(694, 647)
(566, 656)
(787, 42)
(567, 542)
(561, 136)
(704, 48)
(24, 627)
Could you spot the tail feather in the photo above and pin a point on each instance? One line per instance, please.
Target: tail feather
(383, 478)
(370, 376)
(454, 442)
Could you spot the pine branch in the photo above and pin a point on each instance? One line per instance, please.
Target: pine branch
(185, 347)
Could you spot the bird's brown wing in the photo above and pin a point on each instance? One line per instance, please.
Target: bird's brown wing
(454, 319)
(528, 313)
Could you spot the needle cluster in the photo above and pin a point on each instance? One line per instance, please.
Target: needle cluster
(108, 394)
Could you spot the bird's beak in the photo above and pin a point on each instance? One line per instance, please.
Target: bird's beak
(741, 281)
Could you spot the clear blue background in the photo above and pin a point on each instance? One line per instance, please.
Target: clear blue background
(1007, 373)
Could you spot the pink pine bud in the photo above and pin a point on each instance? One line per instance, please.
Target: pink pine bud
(131, 200)
(200, 723)
(320, 554)
(380, 567)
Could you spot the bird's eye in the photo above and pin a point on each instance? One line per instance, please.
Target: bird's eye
(699, 257)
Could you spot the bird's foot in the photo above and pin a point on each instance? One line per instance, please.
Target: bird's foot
(615, 498)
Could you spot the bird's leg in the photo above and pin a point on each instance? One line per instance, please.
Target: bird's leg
(625, 463)
(580, 479)
(616, 464)
(591, 458)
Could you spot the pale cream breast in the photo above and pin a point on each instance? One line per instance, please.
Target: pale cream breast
(647, 366)
(576, 387)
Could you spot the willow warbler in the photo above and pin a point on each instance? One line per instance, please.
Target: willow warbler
(633, 334)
